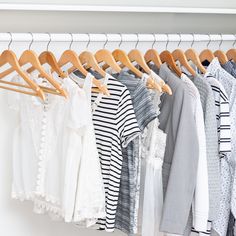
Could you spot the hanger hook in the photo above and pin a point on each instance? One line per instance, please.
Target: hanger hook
(180, 40)
(221, 41)
(32, 40)
(193, 40)
(72, 40)
(121, 40)
(9, 44)
(154, 41)
(104, 46)
(50, 39)
(136, 45)
(167, 40)
(209, 41)
(234, 40)
(89, 40)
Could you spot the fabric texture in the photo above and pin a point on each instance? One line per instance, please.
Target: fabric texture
(179, 171)
(48, 151)
(229, 84)
(213, 163)
(115, 126)
(224, 134)
(153, 150)
(200, 205)
(126, 215)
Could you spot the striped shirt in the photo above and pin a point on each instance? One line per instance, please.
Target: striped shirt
(126, 215)
(115, 126)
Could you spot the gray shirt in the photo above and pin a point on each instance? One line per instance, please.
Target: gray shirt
(213, 162)
(181, 155)
(126, 215)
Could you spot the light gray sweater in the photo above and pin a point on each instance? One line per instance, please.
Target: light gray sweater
(181, 155)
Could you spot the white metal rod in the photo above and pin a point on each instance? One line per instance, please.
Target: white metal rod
(99, 8)
(67, 37)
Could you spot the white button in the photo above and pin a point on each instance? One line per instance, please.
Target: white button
(43, 139)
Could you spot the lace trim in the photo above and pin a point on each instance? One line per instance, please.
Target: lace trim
(33, 197)
(41, 207)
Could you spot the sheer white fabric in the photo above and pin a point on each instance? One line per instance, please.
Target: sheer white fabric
(48, 152)
(153, 149)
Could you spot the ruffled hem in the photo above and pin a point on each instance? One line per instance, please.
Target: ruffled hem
(32, 196)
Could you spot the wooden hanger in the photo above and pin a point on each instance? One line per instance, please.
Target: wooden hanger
(48, 57)
(9, 57)
(192, 55)
(207, 54)
(179, 55)
(152, 56)
(167, 57)
(137, 56)
(70, 56)
(231, 54)
(29, 56)
(221, 56)
(103, 55)
(121, 56)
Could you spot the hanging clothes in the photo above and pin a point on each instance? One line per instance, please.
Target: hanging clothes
(127, 210)
(115, 126)
(200, 206)
(48, 146)
(176, 119)
(153, 150)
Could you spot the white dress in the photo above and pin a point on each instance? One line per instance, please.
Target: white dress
(153, 143)
(48, 150)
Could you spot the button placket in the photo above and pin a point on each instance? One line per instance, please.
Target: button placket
(41, 156)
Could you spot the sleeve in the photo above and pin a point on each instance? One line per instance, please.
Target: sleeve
(143, 107)
(201, 197)
(126, 120)
(181, 158)
(79, 110)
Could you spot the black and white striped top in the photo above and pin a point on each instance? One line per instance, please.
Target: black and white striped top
(115, 126)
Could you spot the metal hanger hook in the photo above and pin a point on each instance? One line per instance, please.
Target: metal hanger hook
(234, 40)
(50, 39)
(193, 40)
(72, 40)
(121, 40)
(104, 46)
(180, 40)
(221, 41)
(10, 42)
(89, 40)
(32, 40)
(136, 45)
(209, 41)
(155, 40)
(167, 40)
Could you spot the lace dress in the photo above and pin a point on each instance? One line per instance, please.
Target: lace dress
(151, 200)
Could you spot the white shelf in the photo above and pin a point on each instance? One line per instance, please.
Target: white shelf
(138, 9)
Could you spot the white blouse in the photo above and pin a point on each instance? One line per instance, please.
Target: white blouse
(49, 148)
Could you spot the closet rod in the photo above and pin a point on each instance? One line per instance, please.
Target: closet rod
(107, 8)
(45, 37)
